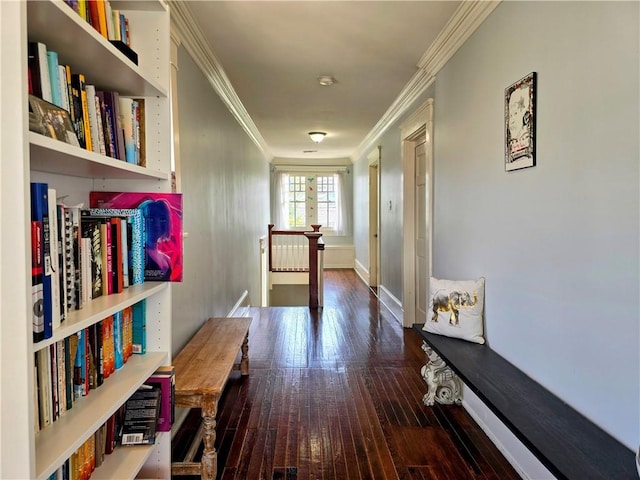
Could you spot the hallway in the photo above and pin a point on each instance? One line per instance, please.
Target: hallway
(336, 394)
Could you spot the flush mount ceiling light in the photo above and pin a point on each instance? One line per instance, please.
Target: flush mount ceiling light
(326, 80)
(317, 137)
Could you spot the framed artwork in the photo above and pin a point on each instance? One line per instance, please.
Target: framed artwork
(52, 121)
(520, 123)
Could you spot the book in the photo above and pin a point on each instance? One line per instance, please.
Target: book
(139, 131)
(79, 83)
(54, 78)
(54, 246)
(93, 117)
(135, 239)
(62, 78)
(117, 341)
(40, 214)
(37, 287)
(38, 65)
(141, 417)
(139, 327)
(45, 408)
(164, 379)
(162, 216)
(112, 102)
(127, 115)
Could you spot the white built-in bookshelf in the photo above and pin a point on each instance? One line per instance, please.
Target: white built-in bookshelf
(74, 172)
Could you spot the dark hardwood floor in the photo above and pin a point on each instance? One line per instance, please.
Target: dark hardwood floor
(337, 394)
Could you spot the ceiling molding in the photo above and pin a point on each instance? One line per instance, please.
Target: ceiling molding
(186, 31)
(467, 18)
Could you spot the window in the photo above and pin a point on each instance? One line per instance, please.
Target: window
(303, 198)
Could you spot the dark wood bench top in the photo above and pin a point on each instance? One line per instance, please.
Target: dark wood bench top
(567, 443)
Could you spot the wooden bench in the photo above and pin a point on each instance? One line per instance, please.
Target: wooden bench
(201, 369)
(568, 444)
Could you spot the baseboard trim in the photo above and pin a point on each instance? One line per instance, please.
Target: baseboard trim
(362, 272)
(519, 456)
(391, 302)
(241, 308)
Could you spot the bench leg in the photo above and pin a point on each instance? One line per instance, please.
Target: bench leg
(209, 454)
(443, 386)
(244, 362)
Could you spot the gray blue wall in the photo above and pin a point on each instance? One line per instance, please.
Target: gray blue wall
(225, 182)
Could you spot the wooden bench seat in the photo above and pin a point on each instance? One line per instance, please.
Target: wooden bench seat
(568, 444)
(201, 370)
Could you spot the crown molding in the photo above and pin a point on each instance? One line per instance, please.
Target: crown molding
(466, 19)
(185, 30)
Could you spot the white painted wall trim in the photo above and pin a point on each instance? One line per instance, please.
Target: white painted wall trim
(362, 272)
(419, 124)
(462, 24)
(339, 256)
(391, 302)
(241, 308)
(519, 456)
(184, 27)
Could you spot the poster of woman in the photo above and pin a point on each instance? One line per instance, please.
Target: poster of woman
(519, 117)
(162, 218)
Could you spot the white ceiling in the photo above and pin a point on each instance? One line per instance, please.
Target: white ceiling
(273, 52)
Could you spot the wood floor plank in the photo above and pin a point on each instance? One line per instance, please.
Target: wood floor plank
(337, 395)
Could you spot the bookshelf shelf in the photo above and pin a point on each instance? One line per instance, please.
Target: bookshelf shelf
(90, 412)
(73, 173)
(100, 308)
(53, 156)
(125, 462)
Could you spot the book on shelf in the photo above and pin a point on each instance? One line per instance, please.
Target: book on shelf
(139, 334)
(94, 124)
(134, 233)
(40, 214)
(38, 65)
(162, 218)
(56, 315)
(54, 78)
(164, 379)
(37, 285)
(141, 417)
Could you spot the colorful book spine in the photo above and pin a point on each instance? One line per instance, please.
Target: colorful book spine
(140, 327)
(40, 213)
(54, 246)
(54, 78)
(164, 379)
(37, 288)
(117, 340)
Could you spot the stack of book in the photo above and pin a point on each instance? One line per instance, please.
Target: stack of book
(103, 121)
(69, 369)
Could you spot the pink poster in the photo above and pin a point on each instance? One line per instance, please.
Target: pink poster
(162, 213)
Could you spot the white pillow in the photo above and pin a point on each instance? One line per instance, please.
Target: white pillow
(458, 310)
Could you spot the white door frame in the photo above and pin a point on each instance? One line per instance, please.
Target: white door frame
(374, 217)
(419, 124)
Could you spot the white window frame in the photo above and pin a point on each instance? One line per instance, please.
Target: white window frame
(313, 172)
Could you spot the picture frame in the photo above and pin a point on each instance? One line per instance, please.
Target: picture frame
(52, 121)
(520, 123)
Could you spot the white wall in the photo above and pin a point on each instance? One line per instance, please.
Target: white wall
(557, 243)
(225, 182)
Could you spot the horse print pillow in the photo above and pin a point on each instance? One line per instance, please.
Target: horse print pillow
(456, 309)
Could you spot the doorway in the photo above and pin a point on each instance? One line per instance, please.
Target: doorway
(374, 212)
(417, 161)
